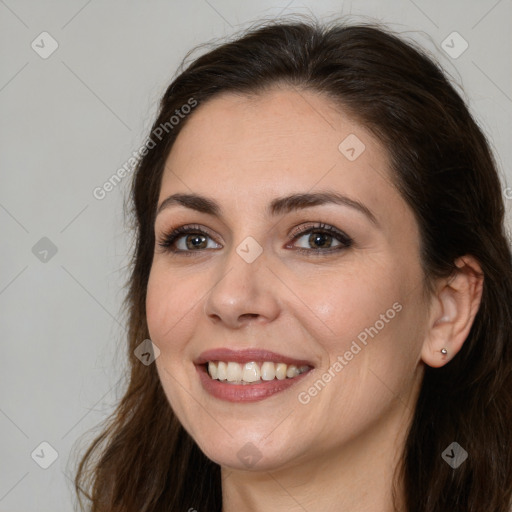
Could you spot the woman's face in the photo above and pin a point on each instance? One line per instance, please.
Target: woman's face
(276, 270)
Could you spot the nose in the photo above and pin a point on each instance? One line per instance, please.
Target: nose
(242, 293)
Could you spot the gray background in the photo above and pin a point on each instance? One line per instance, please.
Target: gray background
(67, 123)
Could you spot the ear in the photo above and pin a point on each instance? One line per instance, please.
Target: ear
(453, 309)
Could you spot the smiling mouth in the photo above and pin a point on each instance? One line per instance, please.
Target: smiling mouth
(252, 372)
(248, 375)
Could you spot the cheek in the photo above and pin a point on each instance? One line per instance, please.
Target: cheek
(156, 305)
(388, 343)
(169, 313)
(346, 304)
(174, 308)
(373, 323)
(166, 303)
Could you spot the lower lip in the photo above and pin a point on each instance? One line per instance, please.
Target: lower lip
(244, 392)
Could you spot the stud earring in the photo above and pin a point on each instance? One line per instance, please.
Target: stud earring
(444, 351)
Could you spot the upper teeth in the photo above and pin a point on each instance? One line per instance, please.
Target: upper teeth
(253, 371)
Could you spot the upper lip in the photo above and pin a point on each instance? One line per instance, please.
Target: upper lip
(248, 355)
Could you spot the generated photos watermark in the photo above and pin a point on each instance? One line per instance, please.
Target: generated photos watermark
(356, 347)
(159, 132)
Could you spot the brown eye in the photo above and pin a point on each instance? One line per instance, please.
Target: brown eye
(196, 241)
(318, 239)
(321, 239)
(186, 240)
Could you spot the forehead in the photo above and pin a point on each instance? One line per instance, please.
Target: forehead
(275, 126)
(245, 148)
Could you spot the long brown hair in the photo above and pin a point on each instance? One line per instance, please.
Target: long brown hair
(145, 461)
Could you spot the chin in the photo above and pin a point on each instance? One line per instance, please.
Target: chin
(242, 453)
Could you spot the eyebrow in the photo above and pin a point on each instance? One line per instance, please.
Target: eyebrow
(278, 206)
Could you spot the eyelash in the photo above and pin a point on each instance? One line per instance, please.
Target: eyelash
(167, 241)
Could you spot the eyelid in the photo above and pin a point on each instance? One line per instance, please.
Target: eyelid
(302, 229)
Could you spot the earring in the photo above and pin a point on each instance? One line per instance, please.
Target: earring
(444, 351)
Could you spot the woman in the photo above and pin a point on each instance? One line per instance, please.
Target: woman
(322, 269)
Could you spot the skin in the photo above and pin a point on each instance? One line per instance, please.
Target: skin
(339, 450)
